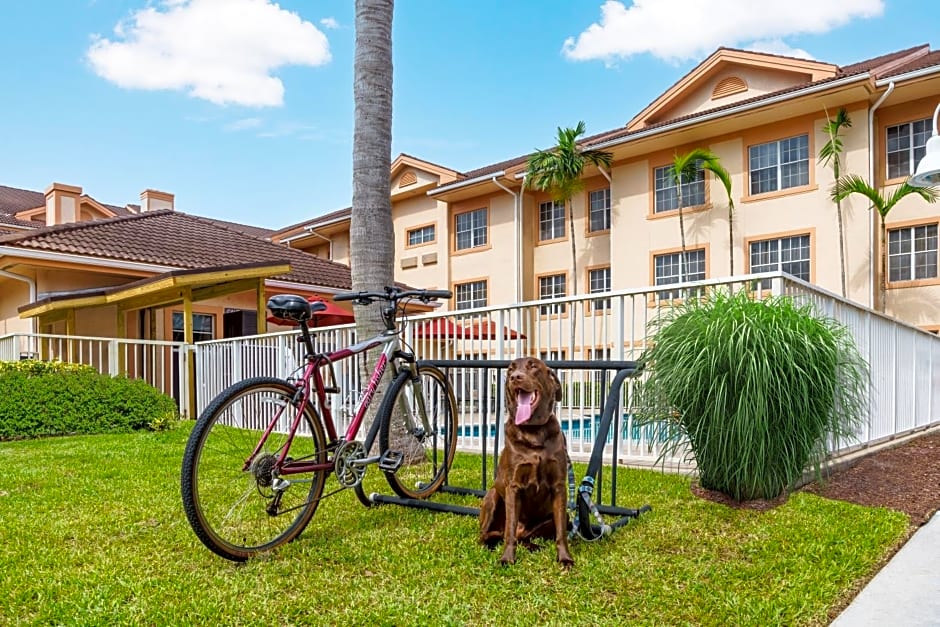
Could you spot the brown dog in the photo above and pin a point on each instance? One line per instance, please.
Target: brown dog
(529, 497)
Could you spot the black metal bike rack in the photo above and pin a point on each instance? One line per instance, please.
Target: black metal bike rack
(592, 483)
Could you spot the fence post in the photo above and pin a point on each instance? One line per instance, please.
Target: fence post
(114, 357)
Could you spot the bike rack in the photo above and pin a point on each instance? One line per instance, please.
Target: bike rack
(590, 485)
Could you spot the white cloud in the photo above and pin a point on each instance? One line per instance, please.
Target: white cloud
(329, 22)
(678, 30)
(223, 51)
(778, 46)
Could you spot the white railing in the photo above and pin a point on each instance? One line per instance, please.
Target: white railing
(161, 364)
(905, 361)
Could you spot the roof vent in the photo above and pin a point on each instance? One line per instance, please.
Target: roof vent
(728, 86)
(408, 178)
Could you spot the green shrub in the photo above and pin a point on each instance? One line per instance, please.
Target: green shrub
(50, 398)
(755, 387)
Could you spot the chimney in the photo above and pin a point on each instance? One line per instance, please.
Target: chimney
(62, 204)
(153, 200)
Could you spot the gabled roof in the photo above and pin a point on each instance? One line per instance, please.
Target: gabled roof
(177, 240)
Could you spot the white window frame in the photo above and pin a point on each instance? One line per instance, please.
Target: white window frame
(553, 286)
(785, 164)
(551, 220)
(598, 283)
(422, 235)
(909, 146)
(667, 269)
(599, 210)
(665, 194)
(913, 250)
(779, 251)
(471, 294)
(475, 231)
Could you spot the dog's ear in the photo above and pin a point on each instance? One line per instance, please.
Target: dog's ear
(556, 383)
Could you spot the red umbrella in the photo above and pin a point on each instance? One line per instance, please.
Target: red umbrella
(440, 329)
(333, 314)
(486, 329)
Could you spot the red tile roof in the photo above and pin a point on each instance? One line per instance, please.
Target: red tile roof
(178, 240)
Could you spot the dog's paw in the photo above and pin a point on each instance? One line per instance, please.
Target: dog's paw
(508, 557)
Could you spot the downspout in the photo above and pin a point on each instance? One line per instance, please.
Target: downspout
(516, 222)
(871, 181)
(313, 232)
(32, 290)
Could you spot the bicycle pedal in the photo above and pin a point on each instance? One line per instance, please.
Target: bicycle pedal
(391, 461)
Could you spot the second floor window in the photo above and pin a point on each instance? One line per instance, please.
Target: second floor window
(421, 235)
(906, 146)
(779, 165)
(598, 283)
(912, 253)
(669, 269)
(599, 201)
(667, 192)
(470, 229)
(551, 220)
(553, 286)
(470, 295)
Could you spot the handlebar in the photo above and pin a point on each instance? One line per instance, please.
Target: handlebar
(393, 294)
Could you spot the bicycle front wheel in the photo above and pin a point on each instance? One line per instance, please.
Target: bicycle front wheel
(239, 504)
(419, 419)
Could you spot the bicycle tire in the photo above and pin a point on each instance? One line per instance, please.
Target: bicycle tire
(423, 472)
(226, 503)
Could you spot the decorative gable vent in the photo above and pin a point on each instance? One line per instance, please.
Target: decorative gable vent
(408, 178)
(728, 86)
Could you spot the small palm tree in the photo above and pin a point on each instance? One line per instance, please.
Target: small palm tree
(831, 154)
(854, 184)
(558, 171)
(684, 170)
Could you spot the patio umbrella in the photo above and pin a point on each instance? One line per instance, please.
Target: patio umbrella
(333, 314)
(486, 329)
(440, 329)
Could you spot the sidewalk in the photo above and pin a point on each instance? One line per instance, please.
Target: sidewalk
(906, 592)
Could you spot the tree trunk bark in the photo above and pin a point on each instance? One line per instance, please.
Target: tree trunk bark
(371, 235)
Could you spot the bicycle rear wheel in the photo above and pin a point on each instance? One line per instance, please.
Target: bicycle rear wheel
(237, 504)
(428, 454)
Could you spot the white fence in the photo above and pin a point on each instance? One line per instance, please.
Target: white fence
(905, 361)
(161, 364)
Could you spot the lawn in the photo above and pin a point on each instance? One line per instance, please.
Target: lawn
(92, 532)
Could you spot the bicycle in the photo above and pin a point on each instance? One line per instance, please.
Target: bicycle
(259, 456)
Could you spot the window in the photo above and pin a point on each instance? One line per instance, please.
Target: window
(912, 253)
(421, 235)
(203, 327)
(789, 254)
(906, 145)
(779, 165)
(470, 295)
(470, 229)
(667, 194)
(551, 220)
(599, 201)
(552, 287)
(598, 283)
(667, 269)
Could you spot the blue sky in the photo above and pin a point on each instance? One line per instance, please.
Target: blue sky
(244, 108)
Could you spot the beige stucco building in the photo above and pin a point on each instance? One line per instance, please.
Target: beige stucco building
(493, 240)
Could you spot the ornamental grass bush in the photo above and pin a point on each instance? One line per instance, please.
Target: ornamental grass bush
(754, 388)
(40, 398)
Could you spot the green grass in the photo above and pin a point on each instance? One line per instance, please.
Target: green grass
(92, 532)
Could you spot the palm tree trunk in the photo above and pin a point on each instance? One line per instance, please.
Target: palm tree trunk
(371, 235)
(884, 266)
(681, 234)
(730, 241)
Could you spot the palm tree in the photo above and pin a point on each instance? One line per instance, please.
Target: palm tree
(371, 235)
(854, 184)
(684, 170)
(558, 171)
(831, 154)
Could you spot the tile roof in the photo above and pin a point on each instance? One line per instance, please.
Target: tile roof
(178, 240)
(928, 60)
(13, 200)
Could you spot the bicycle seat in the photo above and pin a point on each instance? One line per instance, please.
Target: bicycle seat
(293, 308)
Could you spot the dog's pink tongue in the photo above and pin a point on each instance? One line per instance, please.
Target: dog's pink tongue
(523, 406)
